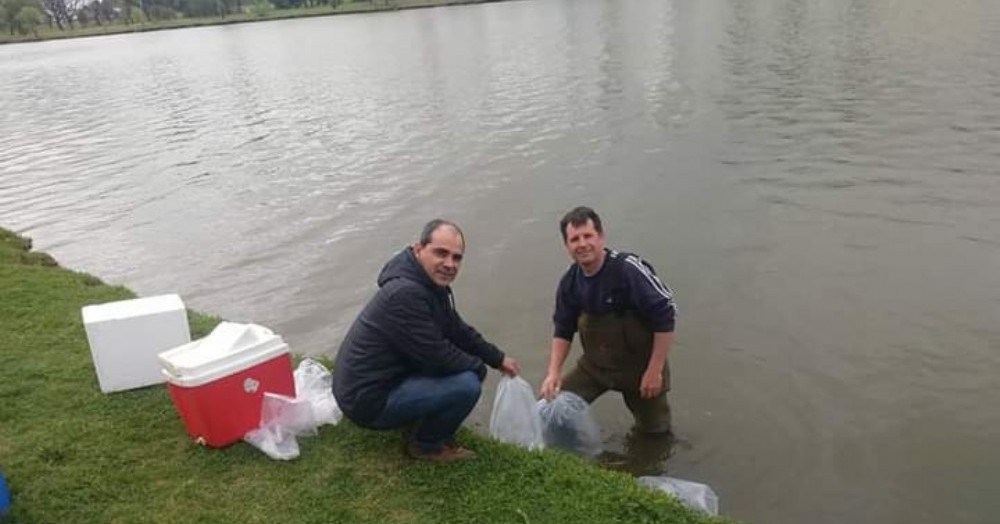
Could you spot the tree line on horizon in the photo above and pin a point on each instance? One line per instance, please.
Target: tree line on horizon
(26, 17)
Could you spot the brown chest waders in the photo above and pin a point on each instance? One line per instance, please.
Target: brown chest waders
(616, 350)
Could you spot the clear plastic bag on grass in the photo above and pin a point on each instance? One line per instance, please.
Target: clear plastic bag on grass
(274, 441)
(515, 418)
(282, 418)
(294, 415)
(568, 424)
(693, 494)
(315, 383)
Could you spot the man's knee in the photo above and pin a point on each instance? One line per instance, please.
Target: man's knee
(580, 382)
(466, 386)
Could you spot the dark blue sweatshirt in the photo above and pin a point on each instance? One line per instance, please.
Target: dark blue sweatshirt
(410, 327)
(624, 282)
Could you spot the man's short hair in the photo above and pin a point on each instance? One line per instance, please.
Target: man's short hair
(433, 225)
(579, 217)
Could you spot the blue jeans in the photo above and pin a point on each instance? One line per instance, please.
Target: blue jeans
(438, 405)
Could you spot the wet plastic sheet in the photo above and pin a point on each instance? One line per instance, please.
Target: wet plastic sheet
(281, 420)
(515, 417)
(693, 494)
(568, 424)
(275, 442)
(294, 415)
(284, 418)
(314, 382)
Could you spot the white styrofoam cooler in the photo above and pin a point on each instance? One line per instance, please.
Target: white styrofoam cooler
(125, 338)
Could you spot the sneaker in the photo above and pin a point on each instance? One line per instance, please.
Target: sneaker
(448, 453)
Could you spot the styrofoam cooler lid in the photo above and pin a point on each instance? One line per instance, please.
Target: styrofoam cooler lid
(228, 349)
(131, 308)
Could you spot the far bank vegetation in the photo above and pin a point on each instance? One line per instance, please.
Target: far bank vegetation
(22, 20)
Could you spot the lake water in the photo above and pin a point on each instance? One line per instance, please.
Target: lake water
(819, 181)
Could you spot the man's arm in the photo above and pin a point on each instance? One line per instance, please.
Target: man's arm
(411, 327)
(468, 339)
(564, 326)
(655, 301)
(553, 378)
(652, 379)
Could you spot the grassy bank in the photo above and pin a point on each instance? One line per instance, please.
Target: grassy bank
(47, 33)
(73, 454)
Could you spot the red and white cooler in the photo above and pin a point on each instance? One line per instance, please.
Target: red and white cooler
(218, 382)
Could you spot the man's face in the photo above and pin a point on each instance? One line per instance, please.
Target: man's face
(585, 245)
(442, 256)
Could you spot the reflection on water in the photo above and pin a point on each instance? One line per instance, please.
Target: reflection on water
(641, 454)
(817, 180)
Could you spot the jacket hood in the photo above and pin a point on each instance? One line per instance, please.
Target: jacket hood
(405, 265)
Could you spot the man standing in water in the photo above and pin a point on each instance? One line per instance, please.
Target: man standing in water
(409, 360)
(625, 316)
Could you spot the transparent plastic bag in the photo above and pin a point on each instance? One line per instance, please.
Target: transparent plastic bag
(294, 415)
(274, 441)
(315, 383)
(281, 420)
(568, 424)
(515, 418)
(692, 494)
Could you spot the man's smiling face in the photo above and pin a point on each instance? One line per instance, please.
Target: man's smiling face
(586, 246)
(442, 256)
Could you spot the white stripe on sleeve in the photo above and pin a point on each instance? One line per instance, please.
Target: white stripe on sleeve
(651, 277)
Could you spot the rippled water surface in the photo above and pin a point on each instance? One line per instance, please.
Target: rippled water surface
(818, 180)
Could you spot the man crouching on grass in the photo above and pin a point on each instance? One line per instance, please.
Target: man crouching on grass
(409, 360)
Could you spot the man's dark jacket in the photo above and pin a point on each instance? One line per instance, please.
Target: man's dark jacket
(410, 327)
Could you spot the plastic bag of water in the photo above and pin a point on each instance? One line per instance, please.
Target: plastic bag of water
(568, 424)
(692, 494)
(515, 418)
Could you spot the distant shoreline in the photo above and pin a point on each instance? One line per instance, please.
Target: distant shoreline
(276, 14)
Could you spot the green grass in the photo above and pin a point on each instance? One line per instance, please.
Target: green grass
(47, 33)
(73, 454)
